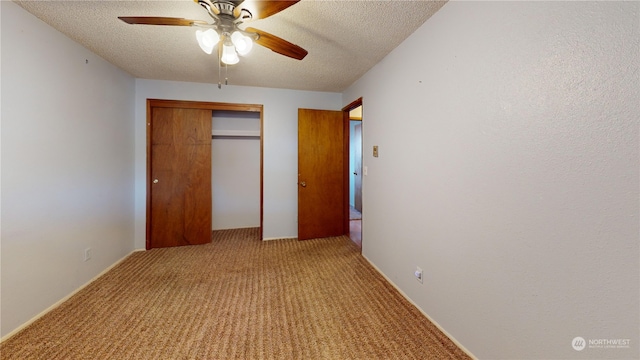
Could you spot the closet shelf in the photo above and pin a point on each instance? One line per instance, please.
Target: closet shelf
(238, 133)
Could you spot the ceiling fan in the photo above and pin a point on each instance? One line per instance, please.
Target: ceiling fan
(225, 29)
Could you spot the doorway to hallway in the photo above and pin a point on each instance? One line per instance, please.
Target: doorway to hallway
(355, 171)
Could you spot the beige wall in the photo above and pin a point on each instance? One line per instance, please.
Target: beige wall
(508, 171)
(67, 165)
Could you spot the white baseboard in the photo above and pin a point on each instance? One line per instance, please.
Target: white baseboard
(458, 344)
(44, 312)
(280, 238)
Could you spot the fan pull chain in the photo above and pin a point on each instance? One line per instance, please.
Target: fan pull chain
(226, 79)
(219, 69)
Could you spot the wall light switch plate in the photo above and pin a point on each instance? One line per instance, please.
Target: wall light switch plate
(375, 150)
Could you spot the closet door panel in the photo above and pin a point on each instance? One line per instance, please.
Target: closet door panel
(180, 189)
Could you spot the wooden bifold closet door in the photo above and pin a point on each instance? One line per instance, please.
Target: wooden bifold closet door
(180, 177)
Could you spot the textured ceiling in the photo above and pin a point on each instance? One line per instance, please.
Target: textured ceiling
(344, 39)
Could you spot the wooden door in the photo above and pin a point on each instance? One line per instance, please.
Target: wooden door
(180, 176)
(321, 174)
(357, 164)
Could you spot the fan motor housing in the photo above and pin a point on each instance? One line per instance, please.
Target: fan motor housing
(226, 7)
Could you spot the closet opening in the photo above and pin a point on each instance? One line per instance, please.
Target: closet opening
(235, 169)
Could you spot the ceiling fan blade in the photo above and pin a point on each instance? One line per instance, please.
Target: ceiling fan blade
(262, 9)
(152, 20)
(278, 45)
(212, 10)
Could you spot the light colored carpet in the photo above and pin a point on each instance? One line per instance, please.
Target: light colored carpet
(237, 298)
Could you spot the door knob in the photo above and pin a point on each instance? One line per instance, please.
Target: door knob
(155, 181)
(303, 184)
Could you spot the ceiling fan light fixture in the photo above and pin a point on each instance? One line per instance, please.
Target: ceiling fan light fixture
(224, 31)
(229, 55)
(207, 40)
(242, 43)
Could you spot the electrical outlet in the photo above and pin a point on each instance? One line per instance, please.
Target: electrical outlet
(375, 150)
(87, 254)
(418, 274)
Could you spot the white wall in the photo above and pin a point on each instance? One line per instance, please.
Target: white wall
(67, 165)
(280, 121)
(235, 171)
(508, 171)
